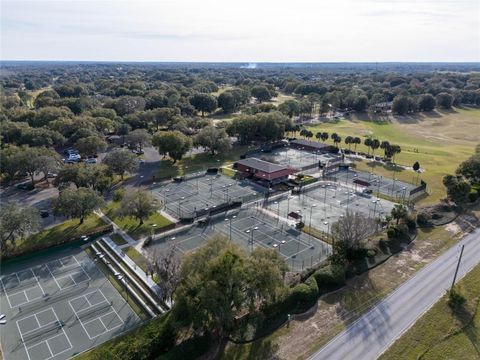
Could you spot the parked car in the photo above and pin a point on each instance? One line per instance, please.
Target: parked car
(25, 186)
(44, 213)
(51, 175)
(91, 161)
(138, 152)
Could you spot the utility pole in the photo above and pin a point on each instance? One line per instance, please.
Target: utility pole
(458, 265)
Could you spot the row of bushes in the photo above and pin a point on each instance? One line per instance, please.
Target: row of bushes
(303, 296)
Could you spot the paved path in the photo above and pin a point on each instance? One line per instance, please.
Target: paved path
(131, 241)
(376, 330)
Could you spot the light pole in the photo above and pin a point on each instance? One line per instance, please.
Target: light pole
(251, 232)
(310, 222)
(278, 210)
(179, 202)
(288, 204)
(230, 219)
(325, 202)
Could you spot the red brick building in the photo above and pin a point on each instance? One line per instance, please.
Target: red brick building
(259, 169)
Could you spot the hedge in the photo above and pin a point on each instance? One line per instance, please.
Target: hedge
(329, 278)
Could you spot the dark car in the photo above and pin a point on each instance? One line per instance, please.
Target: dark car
(44, 213)
(25, 186)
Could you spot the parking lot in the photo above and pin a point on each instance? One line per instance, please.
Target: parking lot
(298, 159)
(199, 193)
(322, 204)
(57, 306)
(249, 229)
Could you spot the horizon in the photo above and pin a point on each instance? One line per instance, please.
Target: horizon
(343, 31)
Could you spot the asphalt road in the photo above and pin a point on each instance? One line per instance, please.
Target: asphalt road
(372, 334)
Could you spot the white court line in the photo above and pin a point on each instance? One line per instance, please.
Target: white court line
(46, 341)
(83, 323)
(37, 283)
(27, 348)
(53, 277)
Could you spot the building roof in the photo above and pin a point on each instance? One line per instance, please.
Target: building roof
(261, 165)
(309, 143)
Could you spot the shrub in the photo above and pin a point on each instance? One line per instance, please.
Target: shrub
(473, 195)
(410, 222)
(329, 277)
(392, 232)
(455, 299)
(303, 296)
(118, 195)
(423, 218)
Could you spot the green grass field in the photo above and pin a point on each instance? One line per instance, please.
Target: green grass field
(199, 162)
(118, 239)
(136, 257)
(442, 334)
(131, 225)
(69, 230)
(443, 141)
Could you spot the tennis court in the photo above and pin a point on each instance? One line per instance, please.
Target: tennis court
(322, 204)
(198, 194)
(58, 305)
(249, 229)
(298, 159)
(387, 186)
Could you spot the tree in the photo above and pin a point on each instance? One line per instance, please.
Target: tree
(349, 141)
(416, 168)
(351, 229)
(47, 164)
(426, 102)
(120, 161)
(356, 141)
(399, 212)
(385, 145)
(216, 140)
(123, 129)
(227, 102)
(336, 139)
(139, 204)
(17, 222)
(444, 100)
(173, 143)
(77, 203)
(374, 144)
(290, 108)
(139, 137)
(470, 169)
(29, 161)
(400, 105)
(90, 145)
(95, 176)
(219, 282)
(360, 103)
(368, 142)
(167, 266)
(261, 93)
(203, 102)
(457, 189)
(163, 116)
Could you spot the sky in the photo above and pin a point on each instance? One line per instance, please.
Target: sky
(241, 30)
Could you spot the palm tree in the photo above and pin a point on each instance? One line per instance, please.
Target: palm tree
(349, 142)
(303, 132)
(357, 141)
(324, 136)
(385, 145)
(308, 134)
(336, 139)
(399, 212)
(375, 144)
(318, 135)
(368, 143)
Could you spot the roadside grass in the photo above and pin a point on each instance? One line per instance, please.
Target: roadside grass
(118, 239)
(131, 226)
(443, 140)
(136, 257)
(338, 309)
(199, 162)
(442, 333)
(70, 230)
